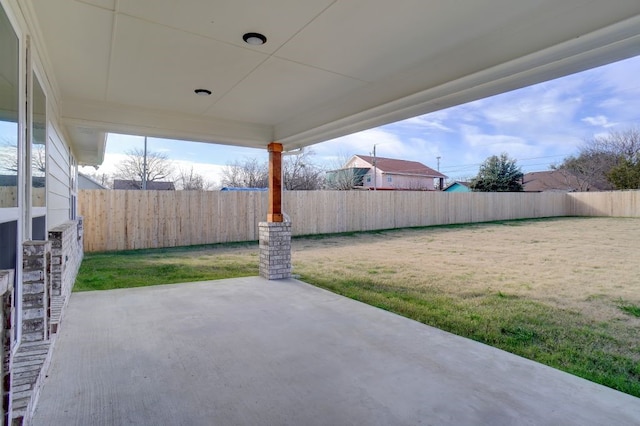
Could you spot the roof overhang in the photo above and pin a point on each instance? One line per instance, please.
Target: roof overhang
(329, 67)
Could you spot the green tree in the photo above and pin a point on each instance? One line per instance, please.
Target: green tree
(625, 175)
(498, 174)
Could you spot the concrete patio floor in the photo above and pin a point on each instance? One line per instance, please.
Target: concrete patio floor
(255, 352)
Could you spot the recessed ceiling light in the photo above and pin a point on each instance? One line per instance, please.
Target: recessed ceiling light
(202, 92)
(255, 39)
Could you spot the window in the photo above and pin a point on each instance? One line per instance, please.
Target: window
(368, 179)
(38, 146)
(9, 117)
(389, 179)
(11, 161)
(73, 190)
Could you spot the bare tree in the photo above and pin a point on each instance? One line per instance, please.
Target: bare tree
(300, 173)
(9, 159)
(103, 179)
(602, 162)
(589, 168)
(625, 144)
(572, 181)
(39, 160)
(159, 167)
(342, 178)
(189, 180)
(248, 173)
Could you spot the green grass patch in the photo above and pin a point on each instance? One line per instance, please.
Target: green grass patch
(106, 271)
(603, 353)
(633, 310)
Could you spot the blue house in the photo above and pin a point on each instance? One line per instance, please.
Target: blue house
(458, 186)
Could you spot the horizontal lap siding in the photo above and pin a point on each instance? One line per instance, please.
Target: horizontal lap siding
(58, 181)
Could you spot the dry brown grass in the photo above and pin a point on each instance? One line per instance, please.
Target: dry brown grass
(590, 265)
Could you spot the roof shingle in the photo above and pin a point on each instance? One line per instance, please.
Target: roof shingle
(391, 165)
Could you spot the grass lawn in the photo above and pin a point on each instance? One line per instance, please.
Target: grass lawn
(139, 268)
(563, 292)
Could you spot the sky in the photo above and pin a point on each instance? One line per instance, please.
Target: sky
(537, 125)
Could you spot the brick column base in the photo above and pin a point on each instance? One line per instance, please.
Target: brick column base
(6, 339)
(35, 290)
(275, 250)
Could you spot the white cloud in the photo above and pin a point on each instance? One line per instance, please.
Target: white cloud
(483, 145)
(429, 121)
(109, 166)
(387, 145)
(612, 102)
(532, 110)
(599, 120)
(211, 172)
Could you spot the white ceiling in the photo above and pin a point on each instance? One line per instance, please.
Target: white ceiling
(328, 68)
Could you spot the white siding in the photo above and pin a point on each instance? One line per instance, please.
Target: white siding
(58, 180)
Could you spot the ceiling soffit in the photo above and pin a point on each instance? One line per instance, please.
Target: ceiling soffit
(328, 68)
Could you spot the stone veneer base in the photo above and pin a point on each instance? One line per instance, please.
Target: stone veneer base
(275, 250)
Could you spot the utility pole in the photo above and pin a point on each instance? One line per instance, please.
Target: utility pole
(438, 158)
(144, 166)
(375, 170)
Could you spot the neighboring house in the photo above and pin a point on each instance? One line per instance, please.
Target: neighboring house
(137, 185)
(392, 174)
(87, 182)
(458, 186)
(555, 180)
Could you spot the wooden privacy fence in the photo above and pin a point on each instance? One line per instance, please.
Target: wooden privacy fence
(9, 196)
(119, 220)
(613, 204)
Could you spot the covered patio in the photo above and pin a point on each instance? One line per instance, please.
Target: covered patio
(282, 75)
(285, 75)
(255, 352)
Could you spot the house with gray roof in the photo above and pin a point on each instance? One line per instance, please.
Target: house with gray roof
(137, 185)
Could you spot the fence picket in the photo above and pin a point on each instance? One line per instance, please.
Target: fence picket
(118, 220)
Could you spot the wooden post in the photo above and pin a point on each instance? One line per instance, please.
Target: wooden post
(274, 214)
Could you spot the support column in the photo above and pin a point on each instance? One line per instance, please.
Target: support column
(275, 234)
(274, 214)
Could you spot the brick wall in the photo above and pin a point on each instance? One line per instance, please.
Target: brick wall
(66, 256)
(6, 333)
(36, 256)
